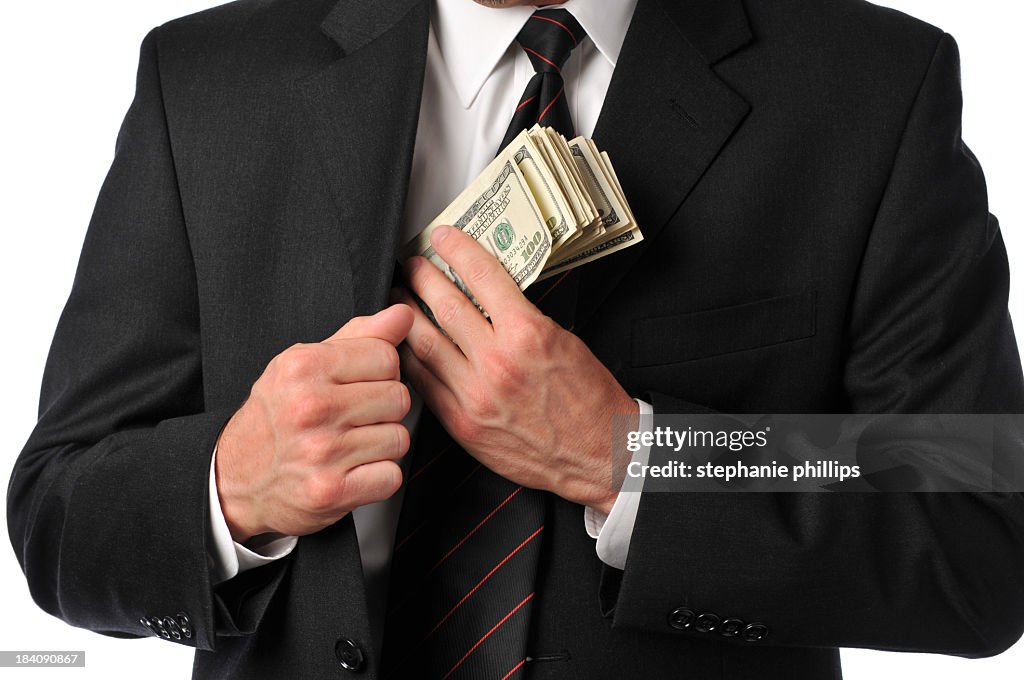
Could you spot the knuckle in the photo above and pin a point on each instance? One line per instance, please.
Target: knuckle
(307, 410)
(400, 397)
(478, 271)
(389, 360)
(314, 449)
(298, 362)
(504, 368)
(387, 479)
(464, 426)
(424, 346)
(448, 310)
(321, 493)
(402, 440)
(533, 331)
(393, 480)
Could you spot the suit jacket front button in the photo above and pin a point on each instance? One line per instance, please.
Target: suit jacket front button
(681, 618)
(707, 622)
(755, 632)
(350, 655)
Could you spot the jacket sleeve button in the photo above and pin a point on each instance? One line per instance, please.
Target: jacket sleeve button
(681, 618)
(755, 632)
(172, 627)
(185, 624)
(350, 655)
(707, 623)
(730, 628)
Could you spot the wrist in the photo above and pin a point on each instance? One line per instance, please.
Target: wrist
(236, 507)
(603, 493)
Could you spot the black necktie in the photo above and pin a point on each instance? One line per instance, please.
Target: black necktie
(468, 540)
(548, 37)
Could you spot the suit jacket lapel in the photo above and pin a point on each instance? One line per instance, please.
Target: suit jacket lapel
(665, 118)
(362, 113)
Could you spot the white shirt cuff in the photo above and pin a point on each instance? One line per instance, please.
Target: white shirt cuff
(614, 531)
(229, 559)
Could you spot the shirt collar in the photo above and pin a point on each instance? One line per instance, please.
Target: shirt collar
(473, 38)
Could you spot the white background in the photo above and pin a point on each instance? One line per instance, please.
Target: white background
(67, 71)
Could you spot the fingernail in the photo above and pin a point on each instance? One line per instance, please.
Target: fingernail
(441, 233)
(412, 264)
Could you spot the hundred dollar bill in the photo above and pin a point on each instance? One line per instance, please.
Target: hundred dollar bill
(500, 212)
(544, 206)
(614, 217)
(545, 187)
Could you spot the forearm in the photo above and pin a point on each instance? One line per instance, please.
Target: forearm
(113, 533)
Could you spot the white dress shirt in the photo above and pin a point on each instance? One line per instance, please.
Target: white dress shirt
(475, 76)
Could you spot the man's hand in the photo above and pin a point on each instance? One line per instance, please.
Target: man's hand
(320, 433)
(523, 396)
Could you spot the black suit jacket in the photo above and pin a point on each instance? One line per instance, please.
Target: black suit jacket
(817, 240)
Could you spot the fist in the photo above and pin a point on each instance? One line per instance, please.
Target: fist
(320, 433)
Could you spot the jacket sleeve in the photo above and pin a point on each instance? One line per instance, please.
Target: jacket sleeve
(929, 332)
(108, 503)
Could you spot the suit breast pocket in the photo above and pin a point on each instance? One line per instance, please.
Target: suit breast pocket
(724, 330)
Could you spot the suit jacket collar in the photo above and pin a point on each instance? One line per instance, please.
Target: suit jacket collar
(716, 28)
(356, 23)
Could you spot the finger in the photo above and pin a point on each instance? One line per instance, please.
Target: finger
(372, 443)
(438, 397)
(452, 310)
(368, 403)
(355, 360)
(482, 273)
(371, 483)
(432, 348)
(391, 324)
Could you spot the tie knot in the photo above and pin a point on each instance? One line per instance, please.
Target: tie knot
(548, 38)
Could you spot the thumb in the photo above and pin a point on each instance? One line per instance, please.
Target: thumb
(391, 324)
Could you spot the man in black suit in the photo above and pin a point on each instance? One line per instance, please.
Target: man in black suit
(817, 239)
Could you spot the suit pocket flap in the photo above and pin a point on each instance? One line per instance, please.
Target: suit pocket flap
(712, 332)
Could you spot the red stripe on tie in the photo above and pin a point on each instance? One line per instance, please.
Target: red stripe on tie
(455, 488)
(484, 521)
(488, 634)
(430, 462)
(526, 102)
(545, 111)
(543, 58)
(557, 23)
(513, 671)
(491, 573)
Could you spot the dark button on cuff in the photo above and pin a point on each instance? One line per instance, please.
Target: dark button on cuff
(350, 655)
(172, 627)
(707, 623)
(681, 618)
(185, 624)
(730, 628)
(755, 632)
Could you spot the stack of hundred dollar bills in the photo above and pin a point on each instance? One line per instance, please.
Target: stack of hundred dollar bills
(542, 207)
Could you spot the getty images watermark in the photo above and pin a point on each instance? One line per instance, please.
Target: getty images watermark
(819, 453)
